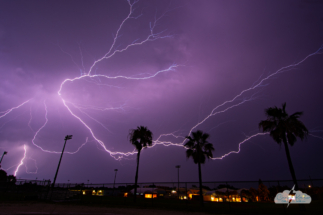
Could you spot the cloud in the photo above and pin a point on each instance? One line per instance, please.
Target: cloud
(300, 198)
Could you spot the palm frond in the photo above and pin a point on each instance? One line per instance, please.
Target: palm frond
(189, 153)
(198, 147)
(283, 127)
(267, 125)
(140, 137)
(291, 138)
(284, 107)
(296, 115)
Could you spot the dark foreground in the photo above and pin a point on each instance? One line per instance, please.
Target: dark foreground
(143, 207)
(33, 208)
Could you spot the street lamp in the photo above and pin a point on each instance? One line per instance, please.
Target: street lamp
(4, 153)
(115, 176)
(67, 137)
(178, 166)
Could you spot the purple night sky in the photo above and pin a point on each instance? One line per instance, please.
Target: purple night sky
(207, 53)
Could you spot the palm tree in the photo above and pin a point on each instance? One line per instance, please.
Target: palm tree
(284, 129)
(198, 149)
(140, 138)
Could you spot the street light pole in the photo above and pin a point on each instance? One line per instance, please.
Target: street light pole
(115, 176)
(178, 166)
(67, 137)
(4, 153)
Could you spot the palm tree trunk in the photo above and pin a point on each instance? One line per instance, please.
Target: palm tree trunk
(292, 171)
(136, 179)
(200, 180)
(290, 164)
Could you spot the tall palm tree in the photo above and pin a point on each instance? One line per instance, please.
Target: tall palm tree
(199, 148)
(140, 138)
(285, 129)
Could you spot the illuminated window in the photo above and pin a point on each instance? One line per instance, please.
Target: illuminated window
(148, 196)
(185, 197)
(212, 199)
(257, 198)
(125, 194)
(238, 199)
(83, 192)
(220, 200)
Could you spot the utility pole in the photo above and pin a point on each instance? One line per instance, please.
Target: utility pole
(4, 153)
(115, 176)
(67, 137)
(178, 166)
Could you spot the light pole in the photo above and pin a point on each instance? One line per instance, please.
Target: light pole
(4, 153)
(178, 166)
(67, 137)
(115, 176)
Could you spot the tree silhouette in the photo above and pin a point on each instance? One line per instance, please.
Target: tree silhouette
(254, 194)
(284, 129)
(140, 138)
(199, 148)
(3, 176)
(263, 192)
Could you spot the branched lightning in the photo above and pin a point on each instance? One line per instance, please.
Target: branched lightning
(30, 119)
(91, 78)
(35, 167)
(37, 132)
(21, 161)
(11, 167)
(5, 113)
(316, 136)
(236, 152)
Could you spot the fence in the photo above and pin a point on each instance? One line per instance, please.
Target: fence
(23, 190)
(225, 194)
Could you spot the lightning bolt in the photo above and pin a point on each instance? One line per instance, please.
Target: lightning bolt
(5, 113)
(44, 150)
(21, 161)
(35, 167)
(234, 102)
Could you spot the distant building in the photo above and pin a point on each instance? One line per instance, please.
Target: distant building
(193, 192)
(225, 195)
(148, 192)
